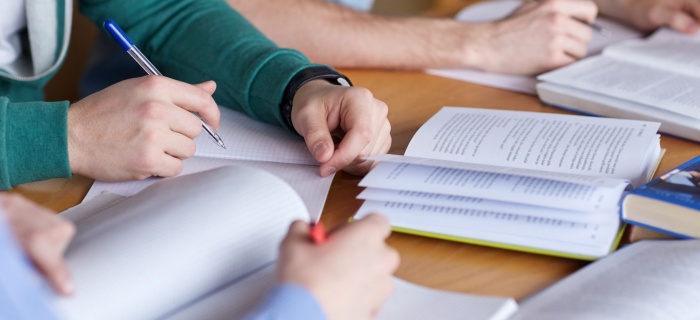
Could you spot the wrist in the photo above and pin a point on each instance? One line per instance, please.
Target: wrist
(302, 78)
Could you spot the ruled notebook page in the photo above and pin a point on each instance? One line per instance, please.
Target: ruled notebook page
(305, 180)
(249, 139)
(175, 242)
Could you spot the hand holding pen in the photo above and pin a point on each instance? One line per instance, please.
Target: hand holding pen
(126, 43)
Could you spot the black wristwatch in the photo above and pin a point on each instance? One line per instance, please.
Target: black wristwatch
(302, 77)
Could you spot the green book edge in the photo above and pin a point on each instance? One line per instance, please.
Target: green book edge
(614, 245)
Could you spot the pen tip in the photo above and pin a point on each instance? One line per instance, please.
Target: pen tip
(221, 144)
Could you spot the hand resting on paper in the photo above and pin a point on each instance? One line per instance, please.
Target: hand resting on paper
(322, 110)
(43, 236)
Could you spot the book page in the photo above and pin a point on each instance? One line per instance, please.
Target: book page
(312, 188)
(176, 241)
(643, 84)
(646, 280)
(407, 301)
(248, 139)
(500, 228)
(596, 214)
(487, 11)
(539, 141)
(493, 186)
(666, 49)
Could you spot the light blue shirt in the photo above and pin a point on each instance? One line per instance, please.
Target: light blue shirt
(23, 293)
(289, 302)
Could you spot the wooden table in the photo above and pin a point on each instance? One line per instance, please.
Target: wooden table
(412, 98)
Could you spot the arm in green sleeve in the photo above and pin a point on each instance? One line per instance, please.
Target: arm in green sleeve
(33, 142)
(199, 40)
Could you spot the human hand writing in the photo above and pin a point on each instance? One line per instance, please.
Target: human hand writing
(43, 236)
(321, 110)
(138, 128)
(350, 274)
(647, 15)
(537, 37)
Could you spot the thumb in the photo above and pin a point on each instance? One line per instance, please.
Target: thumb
(314, 129)
(298, 231)
(208, 86)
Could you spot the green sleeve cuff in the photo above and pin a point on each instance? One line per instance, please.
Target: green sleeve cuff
(33, 137)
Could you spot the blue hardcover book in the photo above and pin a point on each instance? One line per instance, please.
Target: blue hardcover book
(669, 203)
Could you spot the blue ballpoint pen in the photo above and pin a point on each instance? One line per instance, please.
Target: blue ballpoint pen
(126, 43)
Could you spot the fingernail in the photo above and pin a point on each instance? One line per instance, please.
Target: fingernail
(328, 171)
(319, 150)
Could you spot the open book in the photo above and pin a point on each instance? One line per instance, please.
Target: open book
(654, 79)
(653, 280)
(253, 144)
(203, 246)
(487, 11)
(535, 182)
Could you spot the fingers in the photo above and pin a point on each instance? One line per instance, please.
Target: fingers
(314, 128)
(675, 18)
(193, 98)
(43, 236)
(372, 226)
(367, 128)
(583, 10)
(179, 146)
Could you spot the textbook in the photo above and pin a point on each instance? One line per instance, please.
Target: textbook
(490, 11)
(652, 280)
(176, 250)
(253, 144)
(655, 79)
(536, 182)
(669, 203)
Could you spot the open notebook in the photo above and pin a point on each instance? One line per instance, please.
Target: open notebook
(250, 143)
(498, 9)
(179, 250)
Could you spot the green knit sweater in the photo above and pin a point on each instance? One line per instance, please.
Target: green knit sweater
(189, 40)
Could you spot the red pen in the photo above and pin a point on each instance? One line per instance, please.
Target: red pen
(317, 233)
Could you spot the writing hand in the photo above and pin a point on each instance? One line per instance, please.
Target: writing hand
(138, 128)
(681, 15)
(537, 37)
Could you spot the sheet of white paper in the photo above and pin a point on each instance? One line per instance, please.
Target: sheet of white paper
(177, 241)
(505, 228)
(442, 200)
(653, 280)
(248, 139)
(407, 302)
(539, 141)
(498, 9)
(643, 84)
(305, 180)
(487, 185)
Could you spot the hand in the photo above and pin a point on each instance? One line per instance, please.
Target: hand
(43, 236)
(537, 37)
(138, 128)
(321, 109)
(350, 274)
(681, 15)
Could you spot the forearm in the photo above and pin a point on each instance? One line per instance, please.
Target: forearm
(332, 34)
(33, 142)
(197, 40)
